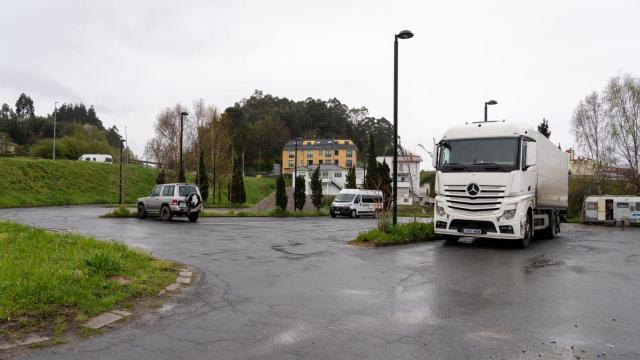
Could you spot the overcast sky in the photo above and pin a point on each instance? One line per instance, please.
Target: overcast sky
(130, 59)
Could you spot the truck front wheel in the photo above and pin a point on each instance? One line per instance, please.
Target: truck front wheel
(528, 232)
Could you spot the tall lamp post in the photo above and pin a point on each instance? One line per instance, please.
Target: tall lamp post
(295, 163)
(55, 115)
(120, 199)
(404, 34)
(490, 102)
(181, 177)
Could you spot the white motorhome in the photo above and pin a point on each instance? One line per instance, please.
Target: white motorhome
(103, 158)
(356, 202)
(611, 208)
(498, 180)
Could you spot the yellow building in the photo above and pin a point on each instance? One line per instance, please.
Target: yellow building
(343, 153)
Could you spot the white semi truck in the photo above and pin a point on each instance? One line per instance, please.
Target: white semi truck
(498, 180)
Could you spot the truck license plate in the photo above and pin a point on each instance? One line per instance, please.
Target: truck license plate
(472, 231)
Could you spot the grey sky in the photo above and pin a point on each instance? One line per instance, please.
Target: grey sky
(133, 58)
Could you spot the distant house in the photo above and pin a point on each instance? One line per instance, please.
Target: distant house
(579, 165)
(334, 178)
(339, 152)
(409, 190)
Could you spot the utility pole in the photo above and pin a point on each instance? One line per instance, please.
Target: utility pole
(55, 117)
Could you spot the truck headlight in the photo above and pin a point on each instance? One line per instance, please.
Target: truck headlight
(509, 214)
(440, 210)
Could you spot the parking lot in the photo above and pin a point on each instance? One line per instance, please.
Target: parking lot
(291, 288)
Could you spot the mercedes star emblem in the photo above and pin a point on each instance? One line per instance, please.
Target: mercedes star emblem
(473, 189)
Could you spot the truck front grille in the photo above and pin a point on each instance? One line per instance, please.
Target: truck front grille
(486, 201)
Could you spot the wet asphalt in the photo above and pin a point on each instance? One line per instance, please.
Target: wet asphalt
(292, 288)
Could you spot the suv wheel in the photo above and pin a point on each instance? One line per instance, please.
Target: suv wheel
(193, 217)
(165, 213)
(142, 213)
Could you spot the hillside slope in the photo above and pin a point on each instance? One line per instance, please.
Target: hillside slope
(37, 182)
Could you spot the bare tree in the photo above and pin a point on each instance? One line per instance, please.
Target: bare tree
(590, 127)
(622, 98)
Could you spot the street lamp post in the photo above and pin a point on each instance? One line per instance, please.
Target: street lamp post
(404, 34)
(295, 163)
(120, 199)
(55, 116)
(490, 102)
(181, 177)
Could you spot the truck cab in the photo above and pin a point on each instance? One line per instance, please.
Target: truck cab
(498, 180)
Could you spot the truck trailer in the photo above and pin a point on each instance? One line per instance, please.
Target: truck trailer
(498, 180)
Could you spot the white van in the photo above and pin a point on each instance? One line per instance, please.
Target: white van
(103, 158)
(356, 202)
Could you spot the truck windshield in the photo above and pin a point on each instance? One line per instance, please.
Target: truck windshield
(487, 154)
(345, 197)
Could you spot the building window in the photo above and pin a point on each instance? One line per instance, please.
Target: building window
(349, 163)
(335, 161)
(349, 153)
(327, 153)
(325, 174)
(337, 175)
(310, 153)
(309, 162)
(336, 152)
(292, 153)
(290, 163)
(320, 161)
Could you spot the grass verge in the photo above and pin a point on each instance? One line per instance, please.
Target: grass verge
(50, 282)
(400, 234)
(121, 212)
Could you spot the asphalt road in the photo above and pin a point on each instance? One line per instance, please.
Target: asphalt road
(292, 288)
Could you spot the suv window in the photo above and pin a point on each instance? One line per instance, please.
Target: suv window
(186, 190)
(156, 190)
(168, 191)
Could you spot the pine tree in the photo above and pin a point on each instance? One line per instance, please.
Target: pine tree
(299, 197)
(281, 193)
(203, 178)
(316, 188)
(543, 128)
(351, 178)
(371, 180)
(162, 177)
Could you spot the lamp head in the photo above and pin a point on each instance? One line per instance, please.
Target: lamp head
(405, 34)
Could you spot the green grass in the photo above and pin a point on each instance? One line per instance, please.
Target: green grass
(51, 281)
(415, 211)
(39, 182)
(121, 212)
(400, 234)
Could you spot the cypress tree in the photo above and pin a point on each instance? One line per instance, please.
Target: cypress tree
(203, 179)
(162, 177)
(316, 188)
(351, 178)
(299, 197)
(386, 183)
(371, 180)
(281, 193)
(238, 195)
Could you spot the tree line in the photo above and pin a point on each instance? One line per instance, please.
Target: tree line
(249, 136)
(78, 129)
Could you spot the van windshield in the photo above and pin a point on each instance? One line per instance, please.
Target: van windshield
(345, 197)
(487, 154)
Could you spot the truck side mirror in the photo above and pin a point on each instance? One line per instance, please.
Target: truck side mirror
(531, 155)
(434, 156)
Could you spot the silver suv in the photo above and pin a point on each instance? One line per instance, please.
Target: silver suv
(169, 200)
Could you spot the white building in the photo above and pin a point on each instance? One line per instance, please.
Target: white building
(334, 178)
(409, 190)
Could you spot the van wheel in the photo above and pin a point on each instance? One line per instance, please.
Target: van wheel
(333, 215)
(193, 217)
(165, 213)
(528, 233)
(354, 214)
(142, 213)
